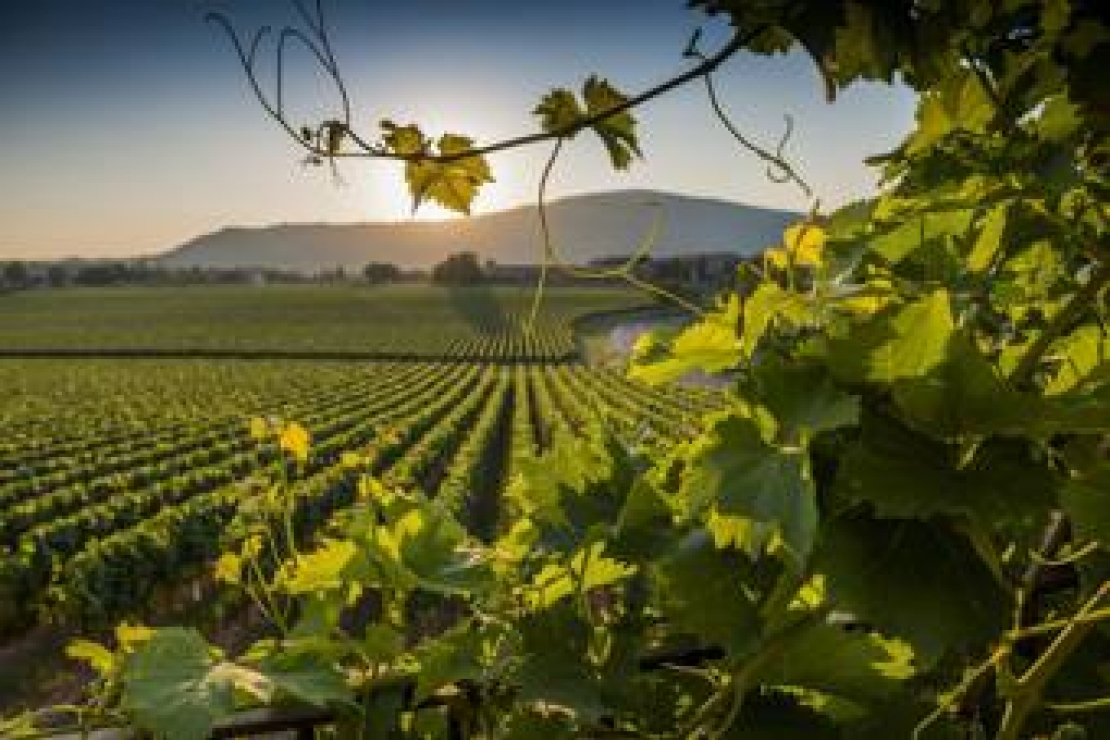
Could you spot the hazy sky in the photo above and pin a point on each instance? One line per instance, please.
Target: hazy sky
(128, 128)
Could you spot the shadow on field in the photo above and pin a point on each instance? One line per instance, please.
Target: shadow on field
(479, 306)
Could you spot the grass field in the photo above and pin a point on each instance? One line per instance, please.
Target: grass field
(120, 477)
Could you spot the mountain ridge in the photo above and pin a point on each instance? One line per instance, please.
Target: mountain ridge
(585, 227)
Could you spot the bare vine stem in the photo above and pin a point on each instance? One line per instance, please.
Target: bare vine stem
(775, 162)
(1060, 324)
(247, 54)
(1026, 697)
(626, 272)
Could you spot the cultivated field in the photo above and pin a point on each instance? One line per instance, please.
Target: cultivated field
(395, 322)
(119, 477)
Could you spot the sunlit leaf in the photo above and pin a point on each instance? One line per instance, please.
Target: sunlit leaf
(617, 131)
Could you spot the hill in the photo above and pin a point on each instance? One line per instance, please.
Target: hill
(585, 227)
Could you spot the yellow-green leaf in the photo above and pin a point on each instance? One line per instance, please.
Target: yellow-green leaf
(558, 110)
(96, 655)
(618, 131)
(229, 568)
(129, 636)
(295, 440)
(321, 570)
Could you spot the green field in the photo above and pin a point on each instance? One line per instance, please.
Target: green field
(120, 476)
(481, 323)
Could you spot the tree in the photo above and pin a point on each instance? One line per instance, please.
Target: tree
(16, 275)
(377, 273)
(458, 269)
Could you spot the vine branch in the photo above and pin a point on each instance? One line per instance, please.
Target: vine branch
(248, 58)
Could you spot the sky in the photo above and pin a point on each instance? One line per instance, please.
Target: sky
(127, 127)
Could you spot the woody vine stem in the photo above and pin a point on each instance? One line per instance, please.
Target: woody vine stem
(326, 141)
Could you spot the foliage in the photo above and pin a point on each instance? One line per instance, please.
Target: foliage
(458, 269)
(855, 546)
(377, 273)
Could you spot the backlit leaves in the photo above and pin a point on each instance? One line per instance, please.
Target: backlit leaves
(295, 440)
(559, 111)
(710, 345)
(562, 113)
(618, 131)
(439, 171)
(802, 245)
(733, 470)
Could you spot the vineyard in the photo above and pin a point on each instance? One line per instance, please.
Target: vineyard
(420, 515)
(121, 479)
(387, 322)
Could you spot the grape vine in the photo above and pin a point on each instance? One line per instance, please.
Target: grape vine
(897, 527)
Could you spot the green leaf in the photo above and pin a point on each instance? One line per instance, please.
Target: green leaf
(959, 102)
(854, 665)
(173, 687)
(780, 715)
(404, 140)
(915, 232)
(1087, 502)
(732, 468)
(912, 579)
(618, 131)
(307, 678)
(963, 396)
(559, 110)
(1083, 354)
(451, 657)
(555, 670)
(804, 400)
(587, 569)
(904, 474)
(710, 345)
(701, 591)
(770, 306)
(320, 570)
(433, 547)
(989, 241)
(901, 342)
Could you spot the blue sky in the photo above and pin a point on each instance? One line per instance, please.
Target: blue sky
(128, 127)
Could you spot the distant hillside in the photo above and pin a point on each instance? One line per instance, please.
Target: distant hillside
(585, 227)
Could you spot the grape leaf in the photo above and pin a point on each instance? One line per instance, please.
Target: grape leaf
(433, 547)
(731, 468)
(172, 686)
(307, 678)
(555, 669)
(900, 342)
(904, 474)
(319, 570)
(452, 184)
(701, 591)
(854, 665)
(709, 345)
(453, 656)
(916, 232)
(588, 568)
(1087, 502)
(559, 110)
(618, 131)
(963, 395)
(912, 579)
(404, 140)
(804, 400)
